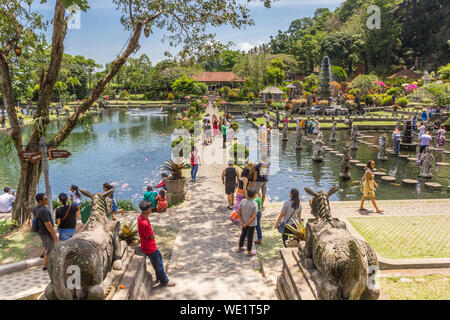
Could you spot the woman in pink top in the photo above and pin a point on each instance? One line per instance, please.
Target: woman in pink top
(195, 162)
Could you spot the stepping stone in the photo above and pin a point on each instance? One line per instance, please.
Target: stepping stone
(447, 152)
(334, 152)
(388, 178)
(442, 164)
(412, 159)
(379, 173)
(433, 185)
(389, 150)
(403, 156)
(340, 154)
(354, 161)
(410, 181)
(361, 165)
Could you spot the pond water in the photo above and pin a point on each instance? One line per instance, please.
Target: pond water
(129, 150)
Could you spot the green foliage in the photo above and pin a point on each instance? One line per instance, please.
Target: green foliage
(275, 75)
(175, 168)
(364, 83)
(184, 145)
(444, 72)
(126, 205)
(387, 101)
(338, 74)
(393, 91)
(402, 101)
(184, 85)
(311, 82)
(239, 152)
(7, 148)
(436, 94)
(124, 95)
(7, 226)
(129, 233)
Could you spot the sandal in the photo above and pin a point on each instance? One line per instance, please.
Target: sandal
(251, 254)
(240, 250)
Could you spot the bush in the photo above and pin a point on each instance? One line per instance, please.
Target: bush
(387, 101)
(184, 142)
(354, 92)
(365, 83)
(444, 72)
(126, 205)
(124, 95)
(239, 150)
(338, 74)
(170, 96)
(235, 126)
(402, 102)
(393, 91)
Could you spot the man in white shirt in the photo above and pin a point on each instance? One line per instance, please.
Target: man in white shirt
(6, 201)
(425, 142)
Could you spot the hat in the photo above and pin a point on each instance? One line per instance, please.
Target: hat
(230, 162)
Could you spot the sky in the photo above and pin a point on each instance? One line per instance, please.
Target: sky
(101, 35)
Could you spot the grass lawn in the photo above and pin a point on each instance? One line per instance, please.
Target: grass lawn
(17, 246)
(165, 238)
(406, 237)
(271, 242)
(431, 287)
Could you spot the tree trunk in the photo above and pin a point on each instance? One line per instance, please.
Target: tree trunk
(25, 198)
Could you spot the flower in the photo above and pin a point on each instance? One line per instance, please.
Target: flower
(380, 83)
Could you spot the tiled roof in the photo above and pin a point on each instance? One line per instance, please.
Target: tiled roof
(217, 77)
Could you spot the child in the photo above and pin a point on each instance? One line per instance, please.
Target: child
(115, 207)
(247, 212)
(75, 195)
(161, 201)
(148, 244)
(258, 201)
(162, 184)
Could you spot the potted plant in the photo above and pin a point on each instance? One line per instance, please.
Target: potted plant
(175, 182)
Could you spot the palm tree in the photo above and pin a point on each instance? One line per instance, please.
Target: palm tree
(73, 81)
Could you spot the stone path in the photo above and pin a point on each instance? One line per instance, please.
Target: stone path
(21, 284)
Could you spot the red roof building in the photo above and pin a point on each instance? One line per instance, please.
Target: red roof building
(218, 79)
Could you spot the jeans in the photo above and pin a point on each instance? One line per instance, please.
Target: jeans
(247, 232)
(194, 171)
(396, 147)
(65, 234)
(258, 226)
(157, 263)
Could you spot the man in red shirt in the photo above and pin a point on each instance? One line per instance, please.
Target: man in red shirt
(148, 244)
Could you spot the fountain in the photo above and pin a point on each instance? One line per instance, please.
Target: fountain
(427, 164)
(333, 132)
(318, 148)
(407, 143)
(354, 145)
(325, 79)
(382, 154)
(299, 136)
(345, 164)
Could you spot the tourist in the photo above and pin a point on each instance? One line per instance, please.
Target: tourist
(441, 136)
(161, 201)
(224, 134)
(269, 133)
(75, 196)
(208, 132)
(258, 201)
(422, 130)
(437, 126)
(148, 243)
(263, 133)
(268, 119)
(7, 200)
(396, 135)
(260, 180)
(424, 116)
(162, 184)
(115, 207)
(230, 178)
(66, 218)
(45, 227)
(204, 132)
(241, 192)
(150, 196)
(248, 211)
(291, 210)
(215, 126)
(414, 123)
(424, 141)
(230, 133)
(195, 162)
(310, 128)
(368, 186)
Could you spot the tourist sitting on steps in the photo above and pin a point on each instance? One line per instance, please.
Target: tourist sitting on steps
(7, 200)
(161, 201)
(148, 244)
(162, 184)
(151, 195)
(66, 218)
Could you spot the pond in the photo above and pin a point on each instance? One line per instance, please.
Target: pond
(297, 170)
(129, 150)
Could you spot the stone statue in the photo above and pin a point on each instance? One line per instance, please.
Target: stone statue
(354, 145)
(345, 164)
(333, 131)
(382, 154)
(285, 131)
(318, 148)
(299, 136)
(427, 164)
(94, 250)
(341, 265)
(316, 127)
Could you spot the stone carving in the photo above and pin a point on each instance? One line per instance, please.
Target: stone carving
(316, 127)
(342, 266)
(345, 164)
(93, 251)
(382, 154)
(285, 131)
(333, 131)
(354, 138)
(318, 148)
(299, 138)
(427, 164)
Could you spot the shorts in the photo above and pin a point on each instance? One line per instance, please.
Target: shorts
(230, 189)
(224, 138)
(261, 185)
(47, 243)
(422, 149)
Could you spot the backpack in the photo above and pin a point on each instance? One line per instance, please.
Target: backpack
(34, 226)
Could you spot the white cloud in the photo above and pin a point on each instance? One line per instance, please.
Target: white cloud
(247, 46)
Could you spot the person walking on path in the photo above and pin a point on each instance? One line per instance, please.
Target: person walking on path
(248, 211)
(224, 134)
(260, 180)
(292, 209)
(230, 178)
(368, 185)
(148, 244)
(441, 136)
(66, 218)
(7, 201)
(215, 126)
(425, 142)
(45, 227)
(241, 193)
(195, 162)
(258, 201)
(396, 135)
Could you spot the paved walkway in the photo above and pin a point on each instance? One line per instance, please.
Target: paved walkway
(21, 284)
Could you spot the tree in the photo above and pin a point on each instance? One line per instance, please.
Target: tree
(184, 85)
(311, 82)
(338, 74)
(364, 83)
(307, 53)
(444, 72)
(342, 48)
(184, 22)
